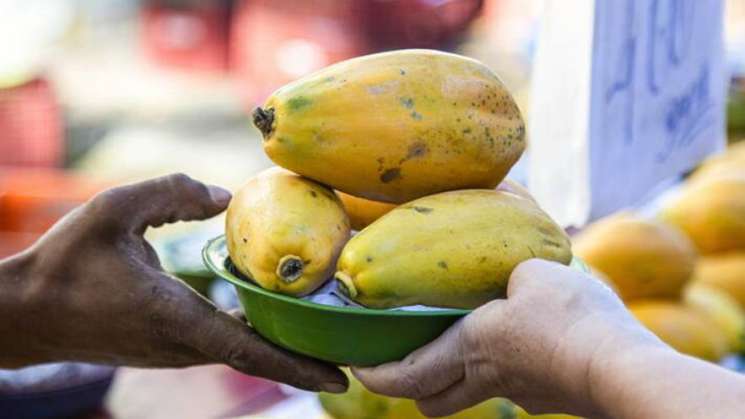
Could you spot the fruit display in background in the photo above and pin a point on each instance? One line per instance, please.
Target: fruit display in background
(360, 403)
(395, 126)
(725, 272)
(643, 258)
(711, 211)
(362, 212)
(454, 249)
(684, 328)
(722, 309)
(285, 232)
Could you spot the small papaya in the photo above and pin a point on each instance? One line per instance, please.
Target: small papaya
(453, 249)
(395, 126)
(722, 309)
(285, 232)
(644, 258)
(725, 272)
(682, 327)
(362, 212)
(711, 211)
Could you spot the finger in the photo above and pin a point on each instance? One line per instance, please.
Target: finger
(229, 340)
(533, 271)
(460, 396)
(424, 372)
(162, 200)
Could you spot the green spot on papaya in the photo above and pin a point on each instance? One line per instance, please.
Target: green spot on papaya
(407, 102)
(416, 115)
(298, 102)
(442, 264)
(422, 210)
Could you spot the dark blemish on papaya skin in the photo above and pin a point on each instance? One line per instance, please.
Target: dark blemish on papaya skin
(390, 175)
(407, 102)
(483, 259)
(313, 194)
(466, 131)
(442, 264)
(416, 115)
(298, 102)
(401, 71)
(245, 240)
(417, 149)
(551, 243)
(369, 259)
(422, 210)
(329, 78)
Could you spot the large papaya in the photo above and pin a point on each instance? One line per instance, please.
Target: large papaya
(285, 232)
(453, 249)
(684, 328)
(711, 211)
(643, 258)
(395, 126)
(725, 272)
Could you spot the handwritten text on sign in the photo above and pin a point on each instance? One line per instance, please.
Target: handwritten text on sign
(657, 94)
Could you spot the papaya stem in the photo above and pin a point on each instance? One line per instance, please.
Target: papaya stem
(346, 285)
(290, 268)
(264, 120)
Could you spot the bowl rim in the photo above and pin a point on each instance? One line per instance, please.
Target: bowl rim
(210, 257)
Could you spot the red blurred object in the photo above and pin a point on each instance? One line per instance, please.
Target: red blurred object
(418, 23)
(31, 131)
(273, 42)
(32, 200)
(187, 34)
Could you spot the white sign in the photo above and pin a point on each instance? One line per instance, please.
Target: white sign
(626, 95)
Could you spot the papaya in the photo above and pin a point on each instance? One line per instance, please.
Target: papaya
(731, 161)
(285, 232)
(363, 211)
(711, 211)
(395, 126)
(453, 249)
(725, 272)
(722, 309)
(682, 327)
(643, 258)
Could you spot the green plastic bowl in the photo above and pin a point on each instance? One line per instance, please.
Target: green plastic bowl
(341, 335)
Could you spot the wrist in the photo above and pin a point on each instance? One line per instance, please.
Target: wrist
(615, 371)
(19, 309)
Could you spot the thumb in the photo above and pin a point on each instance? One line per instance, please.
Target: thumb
(162, 200)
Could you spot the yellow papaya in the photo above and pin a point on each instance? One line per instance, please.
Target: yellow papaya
(711, 211)
(453, 249)
(725, 272)
(360, 403)
(683, 328)
(395, 126)
(643, 258)
(731, 161)
(722, 309)
(285, 232)
(363, 211)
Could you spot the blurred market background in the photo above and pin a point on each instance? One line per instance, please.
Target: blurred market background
(95, 94)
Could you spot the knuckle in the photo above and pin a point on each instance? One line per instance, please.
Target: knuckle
(410, 386)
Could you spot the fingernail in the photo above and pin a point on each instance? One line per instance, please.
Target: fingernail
(333, 387)
(219, 195)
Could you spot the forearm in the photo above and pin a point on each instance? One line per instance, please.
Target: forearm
(17, 313)
(661, 383)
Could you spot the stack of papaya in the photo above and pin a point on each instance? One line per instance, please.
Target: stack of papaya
(391, 182)
(682, 273)
(410, 150)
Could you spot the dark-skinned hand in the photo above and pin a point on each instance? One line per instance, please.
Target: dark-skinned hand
(92, 289)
